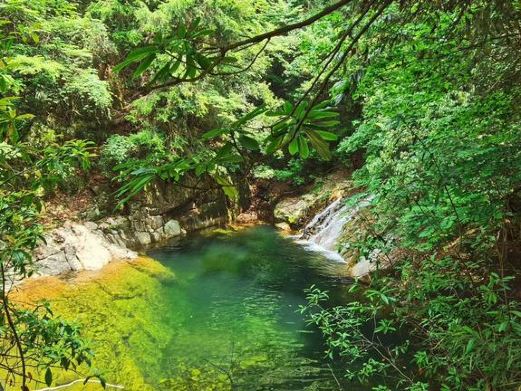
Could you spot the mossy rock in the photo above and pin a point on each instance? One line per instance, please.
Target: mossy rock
(297, 211)
(122, 315)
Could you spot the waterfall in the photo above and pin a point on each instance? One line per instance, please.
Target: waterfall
(324, 230)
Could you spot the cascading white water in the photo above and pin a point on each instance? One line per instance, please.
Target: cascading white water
(324, 230)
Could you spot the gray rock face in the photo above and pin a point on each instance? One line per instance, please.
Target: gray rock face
(54, 264)
(75, 247)
(140, 229)
(90, 246)
(143, 238)
(172, 228)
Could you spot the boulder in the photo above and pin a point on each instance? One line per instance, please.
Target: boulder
(158, 235)
(294, 211)
(76, 247)
(53, 265)
(143, 238)
(91, 225)
(249, 217)
(283, 227)
(91, 249)
(172, 228)
(154, 222)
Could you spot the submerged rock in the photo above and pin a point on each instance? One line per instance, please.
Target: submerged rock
(105, 304)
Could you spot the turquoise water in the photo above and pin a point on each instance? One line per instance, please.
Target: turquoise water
(232, 312)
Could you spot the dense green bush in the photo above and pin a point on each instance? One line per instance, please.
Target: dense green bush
(144, 145)
(443, 162)
(293, 173)
(428, 92)
(53, 55)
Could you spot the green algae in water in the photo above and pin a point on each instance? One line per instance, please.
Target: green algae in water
(237, 298)
(122, 315)
(213, 312)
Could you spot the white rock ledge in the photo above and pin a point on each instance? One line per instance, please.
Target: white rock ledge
(76, 247)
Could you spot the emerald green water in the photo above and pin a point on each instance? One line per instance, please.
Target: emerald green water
(232, 314)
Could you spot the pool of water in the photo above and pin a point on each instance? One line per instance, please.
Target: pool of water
(232, 312)
(211, 312)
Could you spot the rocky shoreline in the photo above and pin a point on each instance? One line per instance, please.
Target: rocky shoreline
(88, 245)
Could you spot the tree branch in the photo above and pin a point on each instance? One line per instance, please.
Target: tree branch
(286, 29)
(223, 50)
(342, 59)
(12, 326)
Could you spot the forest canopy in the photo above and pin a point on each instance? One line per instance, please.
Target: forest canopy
(216, 94)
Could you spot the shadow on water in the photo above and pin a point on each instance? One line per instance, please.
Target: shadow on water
(233, 313)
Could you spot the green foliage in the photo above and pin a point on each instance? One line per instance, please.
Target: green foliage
(52, 50)
(236, 132)
(427, 91)
(169, 40)
(32, 339)
(442, 160)
(144, 145)
(90, 92)
(186, 61)
(458, 344)
(10, 120)
(292, 173)
(302, 123)
(50, 341)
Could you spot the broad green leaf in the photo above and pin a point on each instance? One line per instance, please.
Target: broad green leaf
(470, 345)
(203, 62)
(143, 66)
(249, 142)
(214, 133)
(328, 136)
(274, 144)
(135, 56)
(293, 146)
(229, 189)
(317, 114)
(287, 107)
(327, 124)
(319, 144)
(48, 377)
(24, 117)
(303, 147)
(299, 111)
(181, 30)
(248, 117)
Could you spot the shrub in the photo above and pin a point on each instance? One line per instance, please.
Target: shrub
(118, 149)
